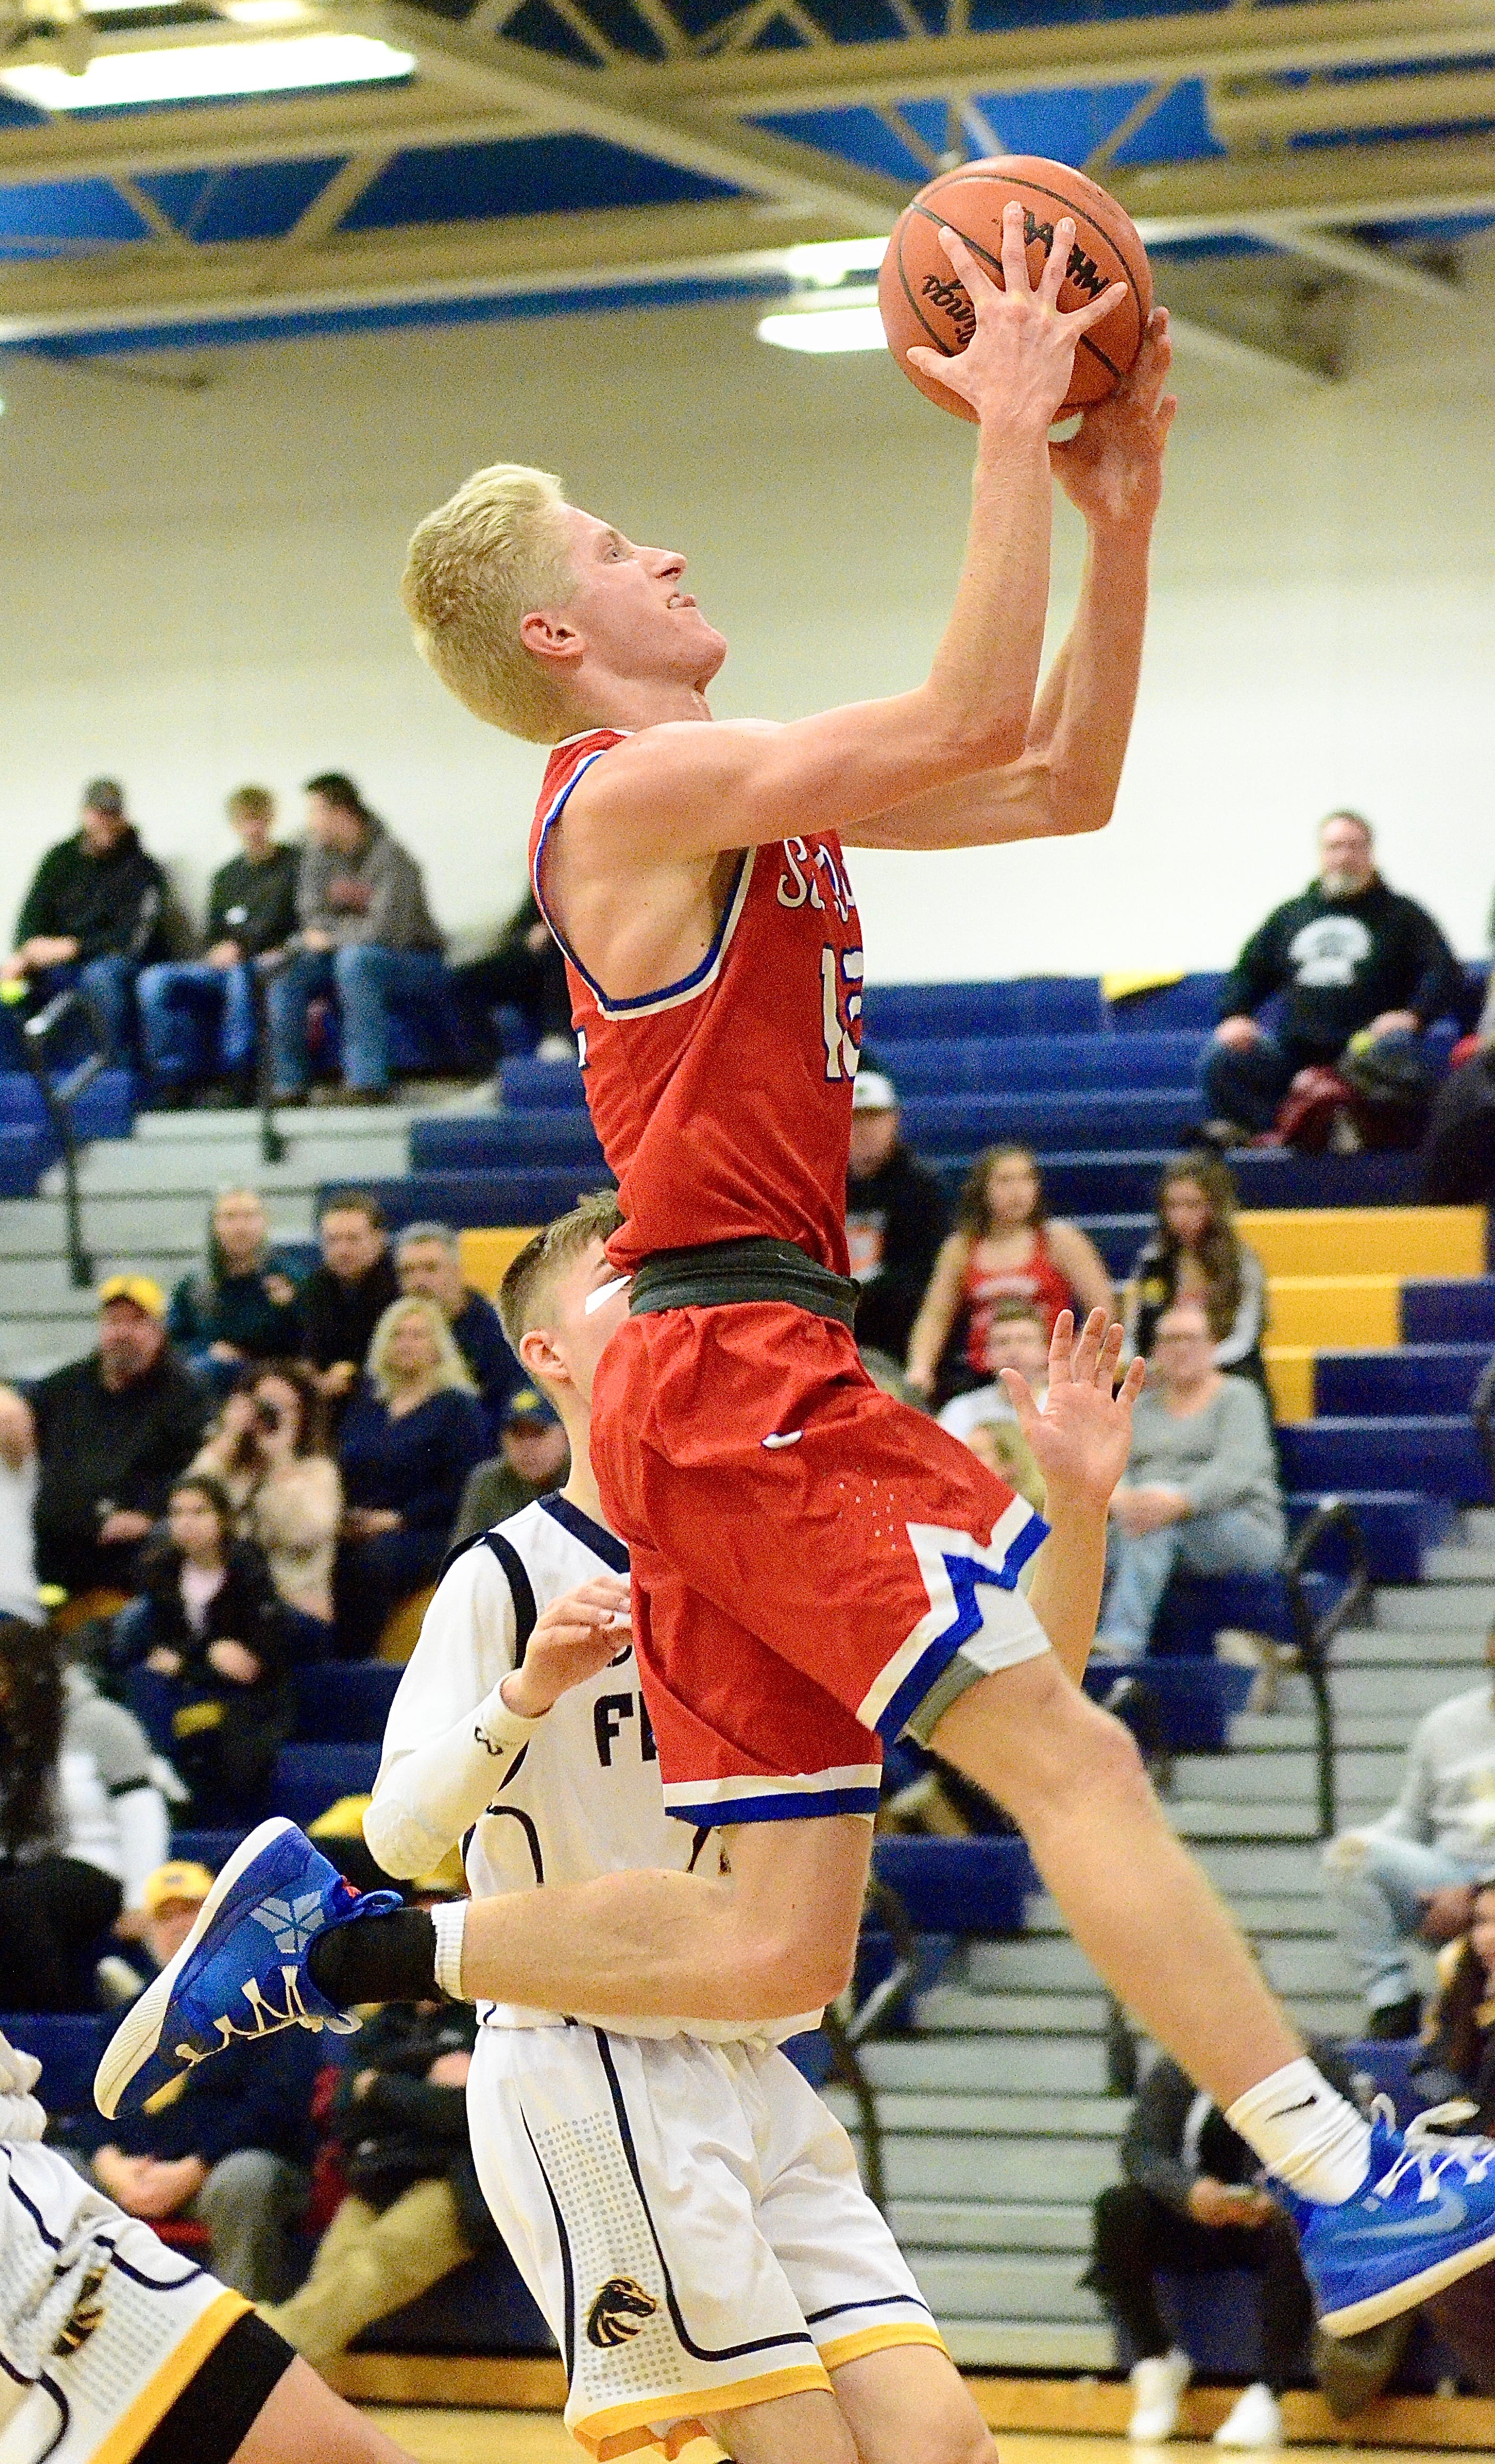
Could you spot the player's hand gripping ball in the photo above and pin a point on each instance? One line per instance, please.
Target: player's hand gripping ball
(924, 303)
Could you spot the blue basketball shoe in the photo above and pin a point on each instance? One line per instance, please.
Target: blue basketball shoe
(241, 1973)
(1423, 2216)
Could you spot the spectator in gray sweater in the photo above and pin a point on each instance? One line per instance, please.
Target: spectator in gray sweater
(365, 937)
(1201, 1492)
(1411, 1876)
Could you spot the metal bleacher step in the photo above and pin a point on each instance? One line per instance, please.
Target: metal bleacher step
(1436, 1608)
(980, 2284)
(987, 2059)
(954, 2008)
(988, 2224)
(1286, 1777)
(1048, 2344)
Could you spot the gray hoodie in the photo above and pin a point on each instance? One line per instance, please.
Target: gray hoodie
(376, 895)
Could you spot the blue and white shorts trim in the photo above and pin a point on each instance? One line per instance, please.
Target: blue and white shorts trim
(974, 1608)
(785, 1796)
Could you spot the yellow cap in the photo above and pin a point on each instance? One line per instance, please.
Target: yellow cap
(181, 1877)
(146, 1295)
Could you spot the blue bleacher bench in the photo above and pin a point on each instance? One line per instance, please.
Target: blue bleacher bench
(1024, 1005)
(480, 1201)
(1019, 1064)
(69, 2046)
(1449, 1309)
(957, 1886)
(309, 1778)
(1196, 1699)
(1397, 1526)
(504, 1142)
(1418, 1377)
(1440, 1454)
(345, 1702)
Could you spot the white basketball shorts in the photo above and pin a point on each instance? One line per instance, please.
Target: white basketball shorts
(142, 2328)
(688, 2218)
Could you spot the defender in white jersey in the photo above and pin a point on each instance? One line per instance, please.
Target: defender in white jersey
(115, 2350)
(686, 2210)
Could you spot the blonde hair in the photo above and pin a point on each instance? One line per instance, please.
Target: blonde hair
(474, 570)
(451, 1370)
(526, 1291)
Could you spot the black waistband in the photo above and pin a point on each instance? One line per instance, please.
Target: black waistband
(724, 1272)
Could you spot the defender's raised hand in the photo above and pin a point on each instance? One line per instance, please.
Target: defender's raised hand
(1017, 367)
(573, 1638)
(1083, 1435)
(1111, 468)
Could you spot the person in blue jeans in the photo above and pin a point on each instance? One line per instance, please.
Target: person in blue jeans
(365, 936)
(93, 914)
(197, 1016)
(1201, 1492)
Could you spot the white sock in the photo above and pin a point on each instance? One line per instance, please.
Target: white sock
(449, 1920)
(1305, 2132)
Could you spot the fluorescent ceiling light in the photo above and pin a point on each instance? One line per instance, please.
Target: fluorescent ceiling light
(200, 72)
(264, 12)
(825, 262)
(853, 324)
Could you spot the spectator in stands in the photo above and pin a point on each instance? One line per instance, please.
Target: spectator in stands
(1005, 1247)
(239, 1305)
(1347, 955)
(207, 1626)
(534, 1457)
(1015, 1339)
(18, 1598)
(113, 1431)
(231, 2151)
(1459, 2062)
(413, 1433)
(1201, 1492)
(526, 972)
(1189, 2204)
(197, 1016)
(1410, 1875)
(367, 935)
(81, 1823)
(269, 1449)
(93, 914)
(343, 1299)
(895, 1219)
(1195, 1253)
(413, 2210)
(428, 1262)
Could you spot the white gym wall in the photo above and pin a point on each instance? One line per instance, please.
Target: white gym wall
(199, 590)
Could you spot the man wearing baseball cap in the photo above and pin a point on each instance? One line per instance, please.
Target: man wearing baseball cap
(113, 1431)
(895, 1219)
(94, 915)
(534, 1459)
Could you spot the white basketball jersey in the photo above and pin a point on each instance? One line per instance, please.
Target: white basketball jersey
(582, 1798)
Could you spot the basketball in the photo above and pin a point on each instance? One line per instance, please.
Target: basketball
(922, 302)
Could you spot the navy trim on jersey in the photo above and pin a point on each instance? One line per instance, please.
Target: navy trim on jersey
(697, 2352)
(522, 1588)
(567, 2271)
(517, 1814)
(51, 2239)
(603, 1542)
(631, 1004)
(64, 2408)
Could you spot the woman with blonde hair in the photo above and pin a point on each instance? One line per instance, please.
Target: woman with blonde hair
(411, 1435)
(1005, 1247)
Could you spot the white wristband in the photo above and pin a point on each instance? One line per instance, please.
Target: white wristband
(500, 1731)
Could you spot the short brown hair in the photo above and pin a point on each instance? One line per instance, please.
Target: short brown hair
(526, 1289)
(474, 570)
(257, 800)
(353, 1202)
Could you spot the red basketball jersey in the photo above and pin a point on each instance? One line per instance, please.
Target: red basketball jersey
(723, 1102)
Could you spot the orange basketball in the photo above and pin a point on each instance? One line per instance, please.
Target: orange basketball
(923, 303)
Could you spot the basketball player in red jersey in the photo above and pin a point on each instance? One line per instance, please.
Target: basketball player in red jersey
(813, 1566)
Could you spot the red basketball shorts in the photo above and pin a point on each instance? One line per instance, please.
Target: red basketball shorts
(808, 1555)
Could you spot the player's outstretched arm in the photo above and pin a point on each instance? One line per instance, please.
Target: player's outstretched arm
(774, 1936)
(1080, 1442)
(1065, 781)
(681, 790)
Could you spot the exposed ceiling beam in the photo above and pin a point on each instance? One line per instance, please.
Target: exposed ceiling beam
(1100, 52)
(1194, 341)
(509, 259)
(1316, 186)
(1382, 267)
(1254, 112)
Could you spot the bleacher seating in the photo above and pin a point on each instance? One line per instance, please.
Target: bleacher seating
(309, 1778)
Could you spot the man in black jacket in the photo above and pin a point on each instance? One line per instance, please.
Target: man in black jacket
(414, 2209)
(197, 1018)
(113, 1431)
(1349, 956)
(343, 1299)
(895, 1219)
(93, 914)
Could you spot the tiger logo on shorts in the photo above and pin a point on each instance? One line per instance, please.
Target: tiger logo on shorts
(87, 2313)
(619, 2312)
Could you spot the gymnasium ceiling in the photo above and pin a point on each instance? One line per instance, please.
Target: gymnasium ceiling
(530, 156)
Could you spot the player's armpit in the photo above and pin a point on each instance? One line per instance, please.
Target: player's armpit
(773, 1936)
